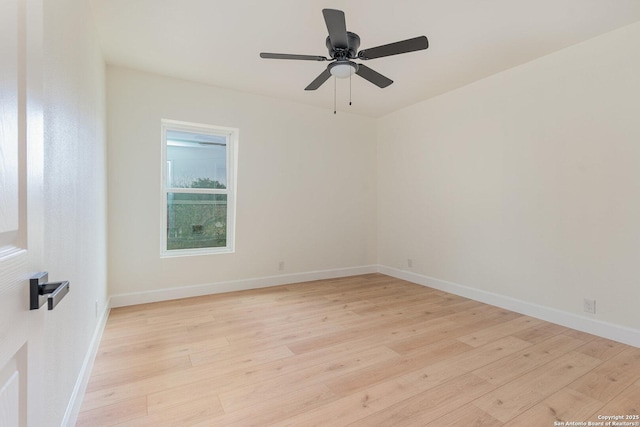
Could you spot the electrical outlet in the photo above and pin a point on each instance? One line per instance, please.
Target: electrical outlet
(409, 262)
(590, 306)
(281, 265)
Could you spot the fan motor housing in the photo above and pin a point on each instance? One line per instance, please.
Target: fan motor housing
(353, 43)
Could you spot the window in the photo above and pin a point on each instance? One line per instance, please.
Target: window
(198, 188)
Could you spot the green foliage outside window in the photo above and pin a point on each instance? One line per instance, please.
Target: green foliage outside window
(197, 220)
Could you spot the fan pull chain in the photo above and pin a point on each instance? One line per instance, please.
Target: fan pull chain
(350, 89)
(334, 94)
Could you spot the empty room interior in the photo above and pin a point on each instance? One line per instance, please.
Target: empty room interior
(321, 212)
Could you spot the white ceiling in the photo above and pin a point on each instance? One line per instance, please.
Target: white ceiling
(218, 42)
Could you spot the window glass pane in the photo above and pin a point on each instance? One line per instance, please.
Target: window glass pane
(196, 160)
(196, 221)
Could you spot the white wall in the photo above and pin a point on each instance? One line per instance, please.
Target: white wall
(524, 184)
(75, 195)
(306, 185)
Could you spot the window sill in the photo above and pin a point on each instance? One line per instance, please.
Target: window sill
(195, 252)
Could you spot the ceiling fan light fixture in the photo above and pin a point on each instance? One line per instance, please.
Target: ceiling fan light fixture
(342, 70)
(343, 46)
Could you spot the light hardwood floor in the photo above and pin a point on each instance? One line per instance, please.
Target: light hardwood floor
(365, 351)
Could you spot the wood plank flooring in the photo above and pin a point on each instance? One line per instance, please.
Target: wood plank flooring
(367, 350)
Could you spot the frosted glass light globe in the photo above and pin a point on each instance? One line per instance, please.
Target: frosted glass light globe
(342, 71)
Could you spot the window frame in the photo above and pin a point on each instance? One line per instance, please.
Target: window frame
(232, 137)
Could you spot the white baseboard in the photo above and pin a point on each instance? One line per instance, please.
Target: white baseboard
(574, 321)
(123, 300)
(75, 402)
(611, 331)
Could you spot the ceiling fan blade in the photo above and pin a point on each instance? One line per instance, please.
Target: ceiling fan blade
(290, 56)
(373, 76)
(323, 77)
(337, 27)
(410, 45)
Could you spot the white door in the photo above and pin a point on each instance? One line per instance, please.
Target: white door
(21, 232)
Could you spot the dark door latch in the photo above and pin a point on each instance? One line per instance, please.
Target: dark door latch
(41, 291)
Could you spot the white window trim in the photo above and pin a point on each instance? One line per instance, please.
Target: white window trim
(232, 135)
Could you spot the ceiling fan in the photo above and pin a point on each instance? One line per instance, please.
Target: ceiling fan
(343, 48)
